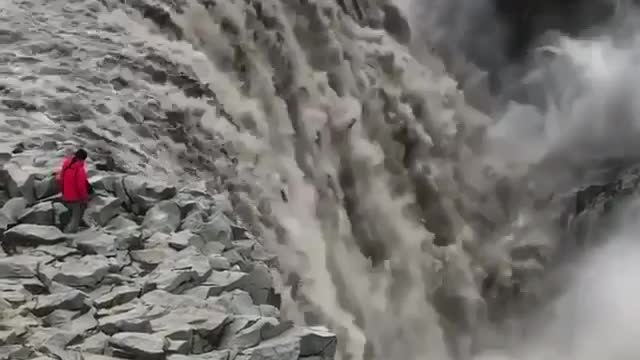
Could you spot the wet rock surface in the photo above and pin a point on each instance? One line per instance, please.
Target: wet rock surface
(134, 284)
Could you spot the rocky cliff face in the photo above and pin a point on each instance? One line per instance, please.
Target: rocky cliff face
(264, 169)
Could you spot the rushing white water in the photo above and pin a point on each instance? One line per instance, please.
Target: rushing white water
(348, 145)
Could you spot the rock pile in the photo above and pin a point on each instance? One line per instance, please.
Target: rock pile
(156, 273)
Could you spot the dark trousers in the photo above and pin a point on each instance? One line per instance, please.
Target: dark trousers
(77, 212)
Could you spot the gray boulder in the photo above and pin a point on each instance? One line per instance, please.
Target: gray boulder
(14, 208)
(237, 302)
(5, 222)
(167, 300)
(16, 291)
(214, 229)
(96, 242)
(59, 317)
(258, 283)
(150, 258)
(213, 355)
(95, 344)
(294, 343)
(137, 193)
(314, 341)
(164, 217)
(44, 188)
(69, 300)
(102, 209)
(126, 231)
(134, 319)
(200, 327)
(21, 266)
(219, 263)
(58, 251)
(86, 271)
(248, 331)
(184, 239)
(116, 296)
(40, 214)
(33, 235)
(138, 345)
(281, 348)
(18, 352)
(186, 268)
(75, 322)
(20, 182)
(52, 341)
(222, 281)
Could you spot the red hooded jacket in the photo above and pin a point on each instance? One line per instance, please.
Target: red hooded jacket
(73, 181)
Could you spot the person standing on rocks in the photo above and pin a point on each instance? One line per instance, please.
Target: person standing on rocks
(75, 188)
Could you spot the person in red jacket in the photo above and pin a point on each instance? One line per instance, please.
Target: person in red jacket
(75, 188)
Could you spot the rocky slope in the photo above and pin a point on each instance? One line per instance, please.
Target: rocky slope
(160, 273)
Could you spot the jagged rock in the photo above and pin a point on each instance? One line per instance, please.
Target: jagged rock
(81, 324)
(221, 281)
(138, 193)
(14, 208)
(281, 348)
(102, 209)
(259, 253)
(152, 257)
(33, 235)
(239, 302)
(314, 341)
(62, 215)
(164, 217)
(12, 291)
(127, 233)
(117, 296)
(5, 222)
(17, 352)
(138, 345)
(217, 229)
(187, 267)
(8, 337)
(235, 259)
(259, 284)
(213, 355)
(157, 240)
(57, 251)
(40, 214)
(96, 243)
(219, 263)
(245, 331)
(89, 356)
(95, 344)
(44, 188)
(293, 344)
(186, 323)
(184, 239)
(59, 317)
(21, 266)
(19, 181)
(135, 319)
(86, 271)
(70, 300)
(161, 298)
(72, 322)
(178, 346)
